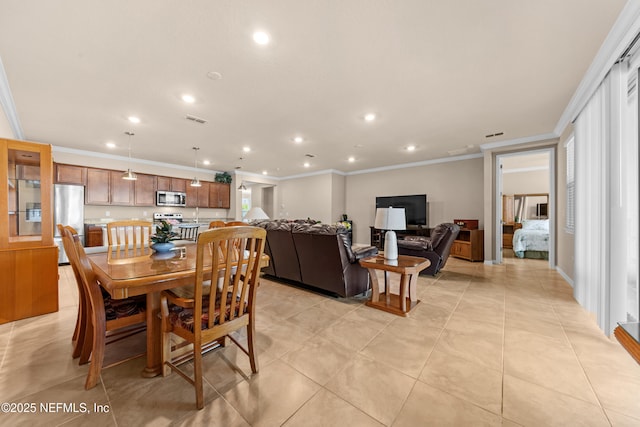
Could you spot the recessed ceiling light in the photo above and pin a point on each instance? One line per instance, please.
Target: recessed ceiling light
(307, 164)
(411, 148)
(261, 38)
(206, 162)
(189, 99)
(298, 139)
(214, 75)
(110, 145)
(246, 149)
(370, 117)
(134, 119)
(264, 172)
(352, 159)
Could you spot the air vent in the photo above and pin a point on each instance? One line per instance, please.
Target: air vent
(494, 134)
(195, 119)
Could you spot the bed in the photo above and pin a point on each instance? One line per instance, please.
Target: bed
(532, 240)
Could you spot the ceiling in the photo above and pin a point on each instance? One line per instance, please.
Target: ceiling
(438, 75)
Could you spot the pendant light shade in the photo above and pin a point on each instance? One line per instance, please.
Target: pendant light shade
(195, 182)
(129, 175)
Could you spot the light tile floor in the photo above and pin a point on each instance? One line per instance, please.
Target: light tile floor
(488, 345)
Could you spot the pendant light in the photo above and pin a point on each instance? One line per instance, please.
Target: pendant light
(242, 186)
(195, 182)
(129, 175)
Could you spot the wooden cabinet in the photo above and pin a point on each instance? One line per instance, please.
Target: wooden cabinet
(469, 245)
(507, 234)
(121, 190)
(97, 190)
(70, 174)
(219, 195)
(198, 196)
(508, 209)
(166, 183)
(144, 189)
(93, 236)
(28, 255)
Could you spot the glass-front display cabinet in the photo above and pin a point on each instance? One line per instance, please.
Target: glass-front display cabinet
(28, 255)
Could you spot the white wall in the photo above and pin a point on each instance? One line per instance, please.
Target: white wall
(453, 189)
(306, 197)
(530, 182)
(5, 128)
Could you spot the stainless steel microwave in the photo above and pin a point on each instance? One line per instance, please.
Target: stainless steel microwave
(171, 198)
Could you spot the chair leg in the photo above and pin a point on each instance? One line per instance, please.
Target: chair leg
(166, 337)
(197, 373)
(97, 358)
(87, 342)
(253, 359)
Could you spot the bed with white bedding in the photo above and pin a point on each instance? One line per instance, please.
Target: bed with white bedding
(532, 240)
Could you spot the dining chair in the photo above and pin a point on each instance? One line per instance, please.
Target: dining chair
(108, 320)
(81, 320)
(216, 224)
(213, 313)
(133, 235)
(189, 233)
(235, 223)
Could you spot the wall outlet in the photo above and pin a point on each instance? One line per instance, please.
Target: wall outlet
(144, 213)
(107, 213)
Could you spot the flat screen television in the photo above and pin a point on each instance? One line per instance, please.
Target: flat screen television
(415, 207)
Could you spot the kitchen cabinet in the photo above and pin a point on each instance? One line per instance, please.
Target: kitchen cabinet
(97, 190)
(93, 236)
(219, 195)
(198, 196)
(166, 183)
(121, 190)
(144, 189)
(70, 174)
(28, 255)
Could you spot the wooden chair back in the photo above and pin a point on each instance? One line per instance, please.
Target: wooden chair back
(235, 224)
(216, 224)
(232, 300)
(98, 326)
(83, 304)
(133, 234)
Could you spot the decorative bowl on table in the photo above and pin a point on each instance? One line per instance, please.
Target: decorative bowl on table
(162, 247)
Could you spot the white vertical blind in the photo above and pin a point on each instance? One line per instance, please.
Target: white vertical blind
(606, 202)
(571, 186)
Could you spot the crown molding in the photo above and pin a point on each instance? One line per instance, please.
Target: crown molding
(416, 164)
(9, 107)
(518, 141)
(619, 38)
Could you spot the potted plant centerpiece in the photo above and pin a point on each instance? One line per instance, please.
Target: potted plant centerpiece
(162, 240)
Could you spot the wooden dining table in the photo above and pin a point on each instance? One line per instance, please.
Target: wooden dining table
(149, 275)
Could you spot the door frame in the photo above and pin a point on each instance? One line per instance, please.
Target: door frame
(552, 200)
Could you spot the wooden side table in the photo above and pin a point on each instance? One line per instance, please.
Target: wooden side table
(408, 267)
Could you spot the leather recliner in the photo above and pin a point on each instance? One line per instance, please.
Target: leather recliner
(435, 248)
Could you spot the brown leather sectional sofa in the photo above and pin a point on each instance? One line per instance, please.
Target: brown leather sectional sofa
(318, 255)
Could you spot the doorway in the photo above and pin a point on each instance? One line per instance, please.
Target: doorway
(525, 195)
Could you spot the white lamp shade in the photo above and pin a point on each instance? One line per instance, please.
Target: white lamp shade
(390, 219)
(256, 213)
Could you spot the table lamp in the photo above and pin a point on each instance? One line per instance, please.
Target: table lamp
(390, 219)
(255, 213)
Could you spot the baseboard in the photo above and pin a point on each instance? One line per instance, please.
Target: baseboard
(489, 262)
(568, 279)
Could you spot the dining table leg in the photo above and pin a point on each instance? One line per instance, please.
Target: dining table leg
(154, 361)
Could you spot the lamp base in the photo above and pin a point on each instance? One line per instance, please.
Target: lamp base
(390, 245)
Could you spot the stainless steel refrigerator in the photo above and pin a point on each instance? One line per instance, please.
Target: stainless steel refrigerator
(68, 209)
